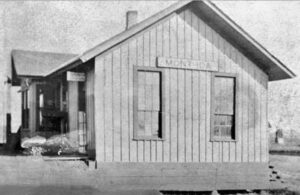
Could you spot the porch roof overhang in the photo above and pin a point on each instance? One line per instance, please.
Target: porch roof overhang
(36, 64)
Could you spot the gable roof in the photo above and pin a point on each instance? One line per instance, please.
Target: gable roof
(36, 63)
(212, 15)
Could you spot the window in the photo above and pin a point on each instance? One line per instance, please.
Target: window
(223, 107)
(148, 105)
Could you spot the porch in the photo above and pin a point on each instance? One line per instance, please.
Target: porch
(54, 107)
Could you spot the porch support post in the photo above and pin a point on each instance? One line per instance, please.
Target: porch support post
(32, 96)
(73, 111)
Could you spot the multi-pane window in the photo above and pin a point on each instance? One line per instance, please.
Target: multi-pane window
(148, 103)
(223, 107)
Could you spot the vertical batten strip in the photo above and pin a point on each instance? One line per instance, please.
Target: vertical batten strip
(173, 91)
(188, 88)
(252, 110)
(265, 150)
(195, 117)
(240, 108)
(245, 109)
(108, 108)
(195, 93)
(260, 113)
(223, 67)
(146, 58)
(140, 62)
(132, 62)
(202, 93)
(116, 106)
(181, 89)
(164, 34)
(158, 52)
(234, 61)
(208, 57)
(125, 136)
(256, 117)
(153, 53)
(99, 109)
(217, 146)
(112, 108)
(233, 145)
(130, 131)
(208, 119)
(121, 99)
(261, 89)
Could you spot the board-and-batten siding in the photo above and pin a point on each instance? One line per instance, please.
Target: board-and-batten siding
(187, 97)
(90, 112)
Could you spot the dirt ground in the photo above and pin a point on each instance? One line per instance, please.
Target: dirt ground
(289, 169)
(33, 176)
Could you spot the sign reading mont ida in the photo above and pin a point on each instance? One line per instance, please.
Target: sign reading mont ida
(186, 64)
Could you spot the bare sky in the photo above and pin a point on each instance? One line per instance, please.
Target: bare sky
(275, 24)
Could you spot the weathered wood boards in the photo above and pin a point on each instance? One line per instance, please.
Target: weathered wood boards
(90, 112)
(191, 176)
(183, 38)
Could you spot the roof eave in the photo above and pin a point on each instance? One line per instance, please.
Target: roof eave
(282, 71)
(65, 66)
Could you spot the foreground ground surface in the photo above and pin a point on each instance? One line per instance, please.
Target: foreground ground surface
(289, 169)
(18, 175)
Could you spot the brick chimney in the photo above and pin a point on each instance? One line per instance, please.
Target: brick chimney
(131, 18)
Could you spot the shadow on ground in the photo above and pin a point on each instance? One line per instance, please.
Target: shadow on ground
(64, 190)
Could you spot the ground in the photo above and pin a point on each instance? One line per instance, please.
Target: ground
(286, 159)
(289, 169)
(33, 176)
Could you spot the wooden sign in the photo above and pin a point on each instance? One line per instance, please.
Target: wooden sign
(75, 76)
(186, 64)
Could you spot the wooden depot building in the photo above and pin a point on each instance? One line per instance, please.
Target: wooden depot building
(175, 102)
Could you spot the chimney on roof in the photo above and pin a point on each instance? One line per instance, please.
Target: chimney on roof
(131, 18)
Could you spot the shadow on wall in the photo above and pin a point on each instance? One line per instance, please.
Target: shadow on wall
(74, 190)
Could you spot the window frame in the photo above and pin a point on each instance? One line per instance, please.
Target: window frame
(235, 103)
(136, 69)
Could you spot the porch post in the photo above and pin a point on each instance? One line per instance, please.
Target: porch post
(73, 111)
(32, 97)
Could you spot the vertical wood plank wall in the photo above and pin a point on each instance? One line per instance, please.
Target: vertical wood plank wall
(187, 125)
(90, 106)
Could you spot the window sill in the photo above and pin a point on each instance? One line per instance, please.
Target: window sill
(222, 140)
(148, 139)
